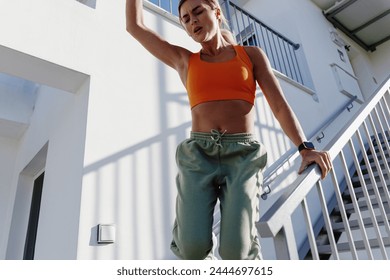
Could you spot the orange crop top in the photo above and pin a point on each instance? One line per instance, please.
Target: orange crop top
(228, 80)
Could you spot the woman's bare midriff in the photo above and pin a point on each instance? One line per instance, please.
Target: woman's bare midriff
(229, 116)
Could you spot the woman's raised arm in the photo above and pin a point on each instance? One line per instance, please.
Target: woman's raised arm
(171, 55)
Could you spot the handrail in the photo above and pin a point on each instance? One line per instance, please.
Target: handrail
(293, 153)
(272, 221)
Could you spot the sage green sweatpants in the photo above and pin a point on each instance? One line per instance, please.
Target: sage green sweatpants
(214, 166)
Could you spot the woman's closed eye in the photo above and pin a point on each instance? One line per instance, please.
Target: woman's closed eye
(198, 11)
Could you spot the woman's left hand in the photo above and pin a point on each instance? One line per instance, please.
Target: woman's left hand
(321, 158)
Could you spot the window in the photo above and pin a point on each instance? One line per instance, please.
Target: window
(167, 5)
(31, 236)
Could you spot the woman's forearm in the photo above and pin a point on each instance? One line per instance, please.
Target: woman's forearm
(290, 125)
(134, 15)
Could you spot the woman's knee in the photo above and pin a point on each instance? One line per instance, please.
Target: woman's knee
(231, 253)
(239, 251)
(195, 249)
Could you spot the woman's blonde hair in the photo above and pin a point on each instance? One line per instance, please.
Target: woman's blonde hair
(223, 23)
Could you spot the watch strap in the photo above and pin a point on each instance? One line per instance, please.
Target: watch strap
(306, 146)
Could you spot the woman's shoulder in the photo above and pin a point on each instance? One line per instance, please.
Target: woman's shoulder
(256, 54)
(259, 60)
(253, 50)
(252, 53)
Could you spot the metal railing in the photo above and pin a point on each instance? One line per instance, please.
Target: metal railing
(249, 30)
(274, 170)
(362, 228)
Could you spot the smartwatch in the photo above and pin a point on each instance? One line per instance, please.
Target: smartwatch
(306, 146)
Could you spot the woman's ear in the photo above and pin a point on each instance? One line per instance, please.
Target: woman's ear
(218, 13)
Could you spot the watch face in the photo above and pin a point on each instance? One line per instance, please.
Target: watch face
(309, 145)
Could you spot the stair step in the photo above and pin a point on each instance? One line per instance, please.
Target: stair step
(374, 169)
(384, 191)
(378, 185)
(359, 190)
(354, 224)
(382, 142)
(381, 161)
(363, 206)
(359, 245)
(377, 150)
(364, 169)
(355, 179)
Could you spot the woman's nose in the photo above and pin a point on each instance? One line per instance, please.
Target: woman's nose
(194, 20)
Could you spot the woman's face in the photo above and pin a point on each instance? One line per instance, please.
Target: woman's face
(199, 20)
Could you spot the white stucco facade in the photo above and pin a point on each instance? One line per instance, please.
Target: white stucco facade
(82, 101)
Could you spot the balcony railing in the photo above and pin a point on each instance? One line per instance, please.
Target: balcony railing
(249, 30)
(350, 210)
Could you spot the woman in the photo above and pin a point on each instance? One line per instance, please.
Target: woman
(221, 160)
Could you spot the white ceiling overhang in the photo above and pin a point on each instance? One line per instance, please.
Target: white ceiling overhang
(367, 22)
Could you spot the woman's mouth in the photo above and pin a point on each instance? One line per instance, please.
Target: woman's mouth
(197, 29)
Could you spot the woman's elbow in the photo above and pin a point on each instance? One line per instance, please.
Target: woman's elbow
(130, 28)
(135, 29)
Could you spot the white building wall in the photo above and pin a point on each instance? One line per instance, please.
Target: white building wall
(113, 132)
(35, 49)
(17, 98)
(58, 122)
(370, 68)
(8, 150)
(381, 60)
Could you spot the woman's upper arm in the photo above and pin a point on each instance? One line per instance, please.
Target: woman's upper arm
(170, 54)
(266, 79)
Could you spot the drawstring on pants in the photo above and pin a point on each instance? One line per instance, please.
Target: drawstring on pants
(216, 136)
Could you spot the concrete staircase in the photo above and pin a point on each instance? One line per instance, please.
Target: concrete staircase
(380, 222)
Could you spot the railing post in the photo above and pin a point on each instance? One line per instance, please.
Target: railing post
(285, 244)
(309, 228)
(227, 14)
(327, 221)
